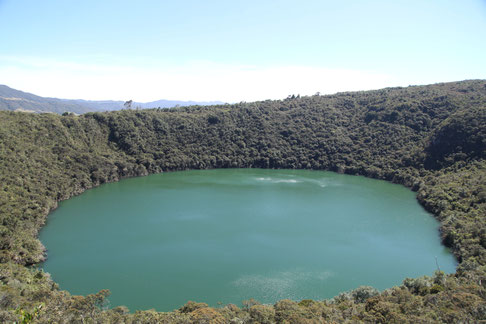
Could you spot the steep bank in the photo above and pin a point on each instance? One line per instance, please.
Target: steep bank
(429, 138)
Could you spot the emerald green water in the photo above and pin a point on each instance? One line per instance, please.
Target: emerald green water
(233, 234)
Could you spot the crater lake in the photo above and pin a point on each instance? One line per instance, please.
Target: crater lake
(228, 235)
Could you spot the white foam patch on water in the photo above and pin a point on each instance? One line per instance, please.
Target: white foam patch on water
(278, 180)
(323, 183)
(287, 181)
(279, 285)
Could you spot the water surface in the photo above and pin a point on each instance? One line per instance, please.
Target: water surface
(233, 234)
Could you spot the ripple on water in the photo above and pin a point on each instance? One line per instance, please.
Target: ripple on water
(233, 234)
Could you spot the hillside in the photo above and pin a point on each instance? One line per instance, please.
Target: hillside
(15, 100)
(110, 105)
(11, 99)
(429, 138)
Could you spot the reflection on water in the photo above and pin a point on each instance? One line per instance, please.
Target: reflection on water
(230, 235)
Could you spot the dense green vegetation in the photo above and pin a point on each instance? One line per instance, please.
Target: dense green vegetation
(431, 139)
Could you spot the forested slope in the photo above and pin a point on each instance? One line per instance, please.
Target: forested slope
(431, 139)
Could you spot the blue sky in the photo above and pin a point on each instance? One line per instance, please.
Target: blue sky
(236, 50)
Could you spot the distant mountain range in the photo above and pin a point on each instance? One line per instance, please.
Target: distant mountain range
(11, 99)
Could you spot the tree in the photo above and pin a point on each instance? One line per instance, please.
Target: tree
(128, 104)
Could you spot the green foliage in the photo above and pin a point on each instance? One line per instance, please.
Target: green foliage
(361, 294)
(431, 139)
(207, 315)
(28, 317)
(247, 304)
(460, 137)
(191, 306)
(418, 286)
(262, 314)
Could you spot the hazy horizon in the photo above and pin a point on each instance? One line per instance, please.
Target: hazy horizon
(235, 51)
